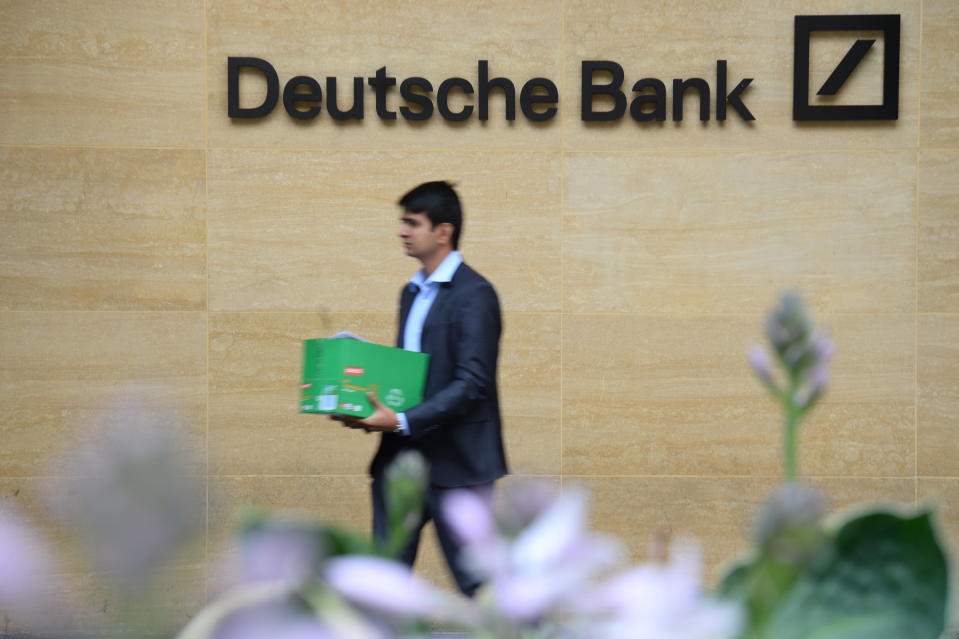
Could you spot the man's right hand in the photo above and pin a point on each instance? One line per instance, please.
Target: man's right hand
(349, 421)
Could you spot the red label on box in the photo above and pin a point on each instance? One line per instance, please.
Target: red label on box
(352, 370)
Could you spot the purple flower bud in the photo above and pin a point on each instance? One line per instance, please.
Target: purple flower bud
(823, 347)
(817, 376)
(761, 363)
(788, 328)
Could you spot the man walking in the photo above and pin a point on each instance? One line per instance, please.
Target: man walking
(451, 312)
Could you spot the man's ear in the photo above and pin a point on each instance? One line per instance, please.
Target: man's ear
(444, 232)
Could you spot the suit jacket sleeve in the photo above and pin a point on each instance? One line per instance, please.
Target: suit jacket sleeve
(473, 347)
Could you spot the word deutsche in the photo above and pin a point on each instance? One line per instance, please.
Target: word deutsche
(415, 91)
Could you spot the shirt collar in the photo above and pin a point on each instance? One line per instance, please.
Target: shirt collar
(443, 273)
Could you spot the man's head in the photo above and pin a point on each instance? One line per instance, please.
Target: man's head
(441, 206)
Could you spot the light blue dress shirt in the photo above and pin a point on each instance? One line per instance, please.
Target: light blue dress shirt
(427, 290)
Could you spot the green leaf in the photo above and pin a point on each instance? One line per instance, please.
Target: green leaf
(760, 584)
(884, 577)
(340, 541)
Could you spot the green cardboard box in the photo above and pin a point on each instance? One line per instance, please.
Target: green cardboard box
(337, 374)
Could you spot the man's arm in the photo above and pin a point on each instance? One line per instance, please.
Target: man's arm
(474, 372)
(473, 376)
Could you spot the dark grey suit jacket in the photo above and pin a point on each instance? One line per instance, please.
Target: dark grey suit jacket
(457, 427)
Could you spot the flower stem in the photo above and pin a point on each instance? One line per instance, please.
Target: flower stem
(791, 437)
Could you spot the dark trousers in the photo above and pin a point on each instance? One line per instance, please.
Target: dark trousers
(432, 510)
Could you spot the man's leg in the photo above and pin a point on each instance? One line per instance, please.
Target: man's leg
(381, 522)
(465, 580)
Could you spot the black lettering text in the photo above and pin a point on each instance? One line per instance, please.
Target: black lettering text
(529, 96)
(590, 90)
(233, 87)
(442, 96)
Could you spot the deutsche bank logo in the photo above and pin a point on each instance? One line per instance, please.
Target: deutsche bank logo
(844, 68)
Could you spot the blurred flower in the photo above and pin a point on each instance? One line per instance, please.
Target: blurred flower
(274, 610)
(272, 620)
(388, 587)
(803, 351)
(814, 384)
(788, 328)
(516, 508)
(131, 496)
(281, 550)
(666, 601)
(540, 568)
(552, 576)
(762, 365)
(788, 524)
(27, 573)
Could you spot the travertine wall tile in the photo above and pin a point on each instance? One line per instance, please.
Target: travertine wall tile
(255, 369)
(255, 366)
(719, 233)
(685, 39)
(646, 395)
(114, 73)
(62, 372)
(302, 231)
(846, 496)
(940, 76)
(431, 39)
(102, 229)
(529, 387)
(938, 231)
(865, 425)
(938, 395)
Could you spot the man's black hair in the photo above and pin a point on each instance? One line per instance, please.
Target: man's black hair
(439, 202)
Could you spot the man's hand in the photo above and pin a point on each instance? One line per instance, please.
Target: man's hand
(349, 421)
(383, 418)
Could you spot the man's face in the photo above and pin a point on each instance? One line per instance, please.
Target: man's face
(420, 238)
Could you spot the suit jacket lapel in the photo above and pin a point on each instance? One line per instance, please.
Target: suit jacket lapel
(406, 302)
(438, 309)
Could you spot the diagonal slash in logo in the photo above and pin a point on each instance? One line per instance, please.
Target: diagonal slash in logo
(849, 63)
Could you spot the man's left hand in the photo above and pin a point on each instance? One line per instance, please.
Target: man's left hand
(383, 418)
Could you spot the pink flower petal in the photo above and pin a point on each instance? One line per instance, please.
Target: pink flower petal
(470, 516)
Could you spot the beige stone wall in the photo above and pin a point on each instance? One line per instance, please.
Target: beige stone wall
(149, 242)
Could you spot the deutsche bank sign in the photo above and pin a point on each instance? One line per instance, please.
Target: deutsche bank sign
(604, 95)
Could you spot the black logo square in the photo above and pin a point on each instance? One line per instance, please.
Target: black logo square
(888, 110)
